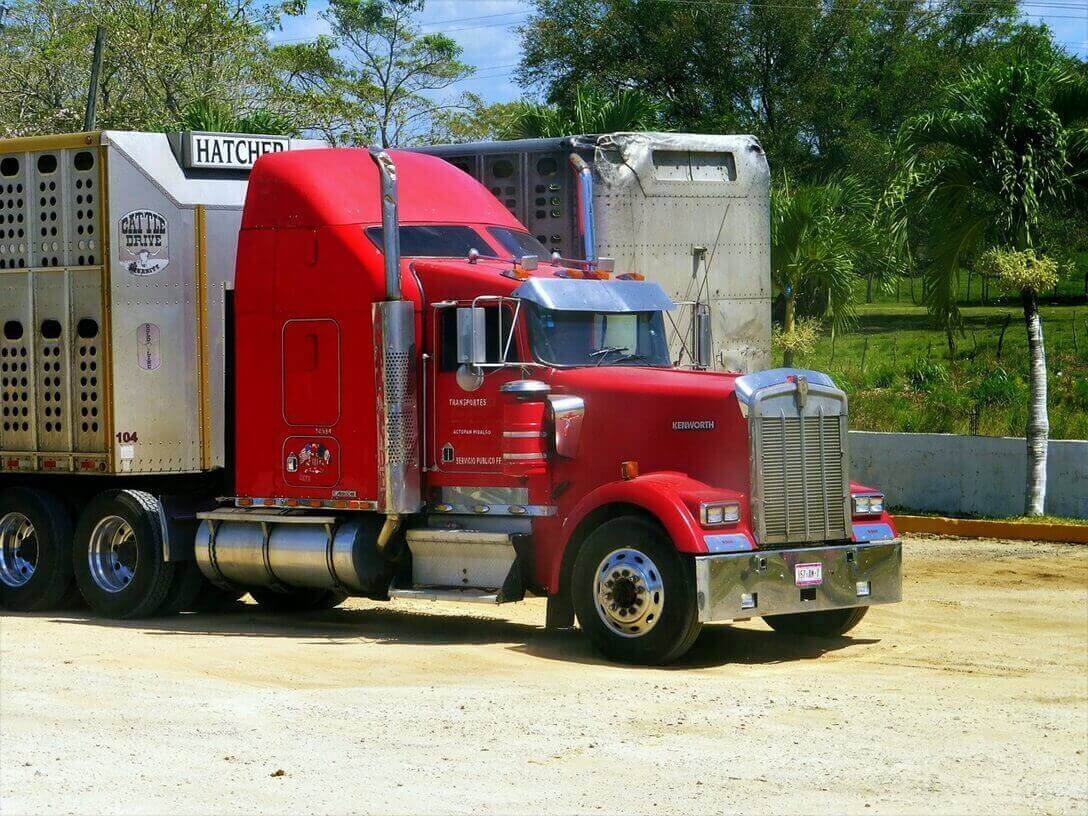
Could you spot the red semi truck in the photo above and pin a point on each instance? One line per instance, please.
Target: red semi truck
(417, 401)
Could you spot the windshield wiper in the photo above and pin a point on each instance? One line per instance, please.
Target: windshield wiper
(605, 351)
(627, 357)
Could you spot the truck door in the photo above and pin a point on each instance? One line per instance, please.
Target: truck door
(466, 425)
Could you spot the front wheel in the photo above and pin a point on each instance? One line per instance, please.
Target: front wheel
(633, 593)
(832, 623)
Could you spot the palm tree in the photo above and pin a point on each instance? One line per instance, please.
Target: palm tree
(592, 111)
(217, 117)
(820, 235)
(1008, 141)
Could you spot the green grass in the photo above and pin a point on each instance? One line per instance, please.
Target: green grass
(1077, 522)
(896, 367)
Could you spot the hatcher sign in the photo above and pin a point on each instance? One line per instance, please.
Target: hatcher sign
(229, 151)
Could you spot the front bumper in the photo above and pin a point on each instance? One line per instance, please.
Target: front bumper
(764, 582)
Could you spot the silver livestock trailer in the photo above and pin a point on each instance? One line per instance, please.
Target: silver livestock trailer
(688, 211)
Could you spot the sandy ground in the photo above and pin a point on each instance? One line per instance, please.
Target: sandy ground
(971, 696)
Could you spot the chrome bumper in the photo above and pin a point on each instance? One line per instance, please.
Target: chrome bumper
(763, 582)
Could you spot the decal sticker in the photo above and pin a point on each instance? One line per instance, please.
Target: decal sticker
(144, 242)
(693, 425)
(314, 459)
(311, 461)
(148, 356)
(468, 402)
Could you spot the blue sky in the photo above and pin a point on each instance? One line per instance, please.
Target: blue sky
(486, 30)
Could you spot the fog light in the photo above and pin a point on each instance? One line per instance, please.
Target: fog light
(863, 588)
(748, 600)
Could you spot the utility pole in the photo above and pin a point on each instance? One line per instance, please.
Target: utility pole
(92, 91)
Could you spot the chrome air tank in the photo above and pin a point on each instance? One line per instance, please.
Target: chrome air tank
(305, 551)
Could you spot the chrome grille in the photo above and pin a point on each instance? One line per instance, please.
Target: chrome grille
(800, 471)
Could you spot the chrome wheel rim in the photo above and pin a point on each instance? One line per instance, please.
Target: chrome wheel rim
(113, 555)
(629, 592)
(18, 550)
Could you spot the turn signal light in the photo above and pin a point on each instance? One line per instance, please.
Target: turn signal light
(629, 469)
(635, 276)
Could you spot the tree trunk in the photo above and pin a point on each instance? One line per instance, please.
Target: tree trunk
(1038, 424)
(787, 330)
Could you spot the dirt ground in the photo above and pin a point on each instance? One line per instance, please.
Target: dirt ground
(971, 696)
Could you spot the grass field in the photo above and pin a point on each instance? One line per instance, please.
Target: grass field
(896, 367)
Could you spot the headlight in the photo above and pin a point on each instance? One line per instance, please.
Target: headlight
(715, 514)
(868, 504)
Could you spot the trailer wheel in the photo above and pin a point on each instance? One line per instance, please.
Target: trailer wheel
(118, 555)
(297, 599)
(35, 550)
(831, 623)
(633, 593)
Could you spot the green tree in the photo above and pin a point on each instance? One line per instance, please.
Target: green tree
(1008, 141)
(824, 85)
(821, 234)
(590, 110)
(161, 56)
(374, 78)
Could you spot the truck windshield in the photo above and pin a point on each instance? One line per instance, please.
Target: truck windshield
(519, 244)
(436, 241)
(565, 338)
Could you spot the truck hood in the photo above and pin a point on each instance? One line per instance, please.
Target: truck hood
(665, 419)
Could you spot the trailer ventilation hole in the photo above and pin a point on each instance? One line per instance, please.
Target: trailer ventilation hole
(547, 166)
(503, 168)
(87, 328)
(84, 160)
(13, 330)
(50, 329)
(47, 163)
(9, 167)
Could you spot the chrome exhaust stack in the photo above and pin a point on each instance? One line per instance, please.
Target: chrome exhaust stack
(400, 490)
(585, 206)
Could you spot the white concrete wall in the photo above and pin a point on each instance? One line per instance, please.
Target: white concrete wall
(980, 475)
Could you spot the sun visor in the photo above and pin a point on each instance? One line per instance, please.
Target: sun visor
(573, 295)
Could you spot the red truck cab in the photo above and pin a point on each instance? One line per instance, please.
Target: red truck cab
(480, 421)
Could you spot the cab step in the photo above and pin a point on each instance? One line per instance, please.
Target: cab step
(450, 563)
(477, 596)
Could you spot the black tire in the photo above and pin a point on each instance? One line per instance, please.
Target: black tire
(47, 542)
(831, 623)
(676, 626)
(297, 599)
(129, 516)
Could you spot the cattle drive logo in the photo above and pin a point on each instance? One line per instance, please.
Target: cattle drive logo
(314, 459)
(144, 239)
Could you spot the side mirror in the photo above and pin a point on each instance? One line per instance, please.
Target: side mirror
(471, 336)
(701, 341)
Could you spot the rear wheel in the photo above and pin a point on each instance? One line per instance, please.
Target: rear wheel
(35, 550)
(633, 593)
(831, 623)
(118, 555)
(297, 599)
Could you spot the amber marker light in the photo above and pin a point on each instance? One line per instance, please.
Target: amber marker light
(629, 469)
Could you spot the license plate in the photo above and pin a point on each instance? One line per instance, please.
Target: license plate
(806, 575)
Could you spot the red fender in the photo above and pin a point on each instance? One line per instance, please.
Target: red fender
(672, 498)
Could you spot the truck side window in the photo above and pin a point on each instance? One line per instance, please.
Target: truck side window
(496, 337)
